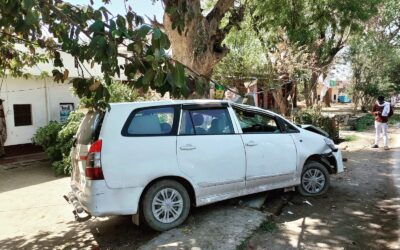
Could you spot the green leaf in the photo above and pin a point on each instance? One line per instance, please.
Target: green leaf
(97, 26)
(164, 41)
(139, 82)
(148, 76)
(97, 15)
(130, 16)
(143, 31)
(27, 4)
(113, 25)
(158, 54)
(178, 75)
(149, 58)
(116, 33)
(159, 79)
(130, 70)
(31, 17)
(121, 23)
(157, 33)
(58, 62)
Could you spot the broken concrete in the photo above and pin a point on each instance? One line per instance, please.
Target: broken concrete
(222, 227)
(255, 202)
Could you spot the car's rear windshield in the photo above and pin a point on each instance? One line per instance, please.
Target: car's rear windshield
(89, 128)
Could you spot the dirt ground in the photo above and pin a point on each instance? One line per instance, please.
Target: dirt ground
(34, 215)
(360, 211)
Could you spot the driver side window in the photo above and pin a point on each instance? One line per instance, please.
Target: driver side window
(256, 123)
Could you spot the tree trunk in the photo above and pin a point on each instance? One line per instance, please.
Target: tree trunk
(199, 46)
(307, 94)
(356, 100)
(281, 101)
(294, 96)
(327, 98)
(314, 93)
(310, 90)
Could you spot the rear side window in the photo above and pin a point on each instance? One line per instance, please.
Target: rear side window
(150, 121)
(90, 127)
(206, 122)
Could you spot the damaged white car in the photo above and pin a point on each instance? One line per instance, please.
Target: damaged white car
(155, 160)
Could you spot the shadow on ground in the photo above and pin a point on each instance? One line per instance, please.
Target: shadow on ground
(19, 175)
(360, 211)
(112, 232)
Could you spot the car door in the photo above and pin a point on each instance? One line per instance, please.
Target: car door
(271, 156)
(209, 150)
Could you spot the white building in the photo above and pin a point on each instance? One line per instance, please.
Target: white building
(31, 103)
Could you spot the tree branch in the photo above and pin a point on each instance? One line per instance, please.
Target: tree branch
(155, 23)
(219, 10)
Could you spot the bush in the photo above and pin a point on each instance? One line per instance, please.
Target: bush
(364, 122)
(56, 139)
(316, 118)
(394, 119)
(47, 138)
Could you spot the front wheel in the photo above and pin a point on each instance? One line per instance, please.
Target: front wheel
(315, 179)
(166, 205)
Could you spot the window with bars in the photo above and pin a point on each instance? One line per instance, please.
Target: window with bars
(22, 114)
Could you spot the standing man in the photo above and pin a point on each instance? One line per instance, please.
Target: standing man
(3, 129)
(381, 110)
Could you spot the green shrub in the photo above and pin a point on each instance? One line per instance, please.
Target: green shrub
(364, 122)
(56, 139)
(394, 119)
(47, 138)
(316, 118)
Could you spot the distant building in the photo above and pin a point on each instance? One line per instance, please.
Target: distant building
(31, 103)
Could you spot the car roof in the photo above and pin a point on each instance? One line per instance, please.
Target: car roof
(171, 102)
(193, 102)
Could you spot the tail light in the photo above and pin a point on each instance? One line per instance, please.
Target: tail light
(93, 162)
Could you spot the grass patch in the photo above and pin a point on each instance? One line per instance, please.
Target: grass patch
(265, 227)
(349, 138)
(244, 244)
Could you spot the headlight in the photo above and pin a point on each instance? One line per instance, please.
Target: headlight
(331, 144)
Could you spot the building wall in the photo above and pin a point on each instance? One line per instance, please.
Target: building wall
(45, 97)
(332, 92)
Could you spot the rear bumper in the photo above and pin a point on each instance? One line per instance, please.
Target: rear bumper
(100, 200)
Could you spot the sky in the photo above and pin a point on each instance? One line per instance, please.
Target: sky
(141, 7)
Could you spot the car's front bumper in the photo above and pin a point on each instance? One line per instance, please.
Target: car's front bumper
(339, 161)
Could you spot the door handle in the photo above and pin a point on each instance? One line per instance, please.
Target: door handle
(251, 143)
(187, 147)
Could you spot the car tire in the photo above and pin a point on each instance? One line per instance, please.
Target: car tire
(166, 204)
(315, 179)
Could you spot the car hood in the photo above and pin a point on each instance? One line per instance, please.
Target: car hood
(314, 129)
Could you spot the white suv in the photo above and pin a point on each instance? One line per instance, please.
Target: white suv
(154, 160)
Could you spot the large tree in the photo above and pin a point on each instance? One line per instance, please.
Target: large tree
(375, 57)
(322, 26)
(96, 36)
(197, 38)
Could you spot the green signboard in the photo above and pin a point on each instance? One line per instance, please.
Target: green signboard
(332, 83)
(219, 91)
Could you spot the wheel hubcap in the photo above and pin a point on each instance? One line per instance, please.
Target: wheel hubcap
(167, 205)
(313, 181)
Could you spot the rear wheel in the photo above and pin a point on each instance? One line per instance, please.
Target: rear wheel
(166, 205)
(315, 179)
